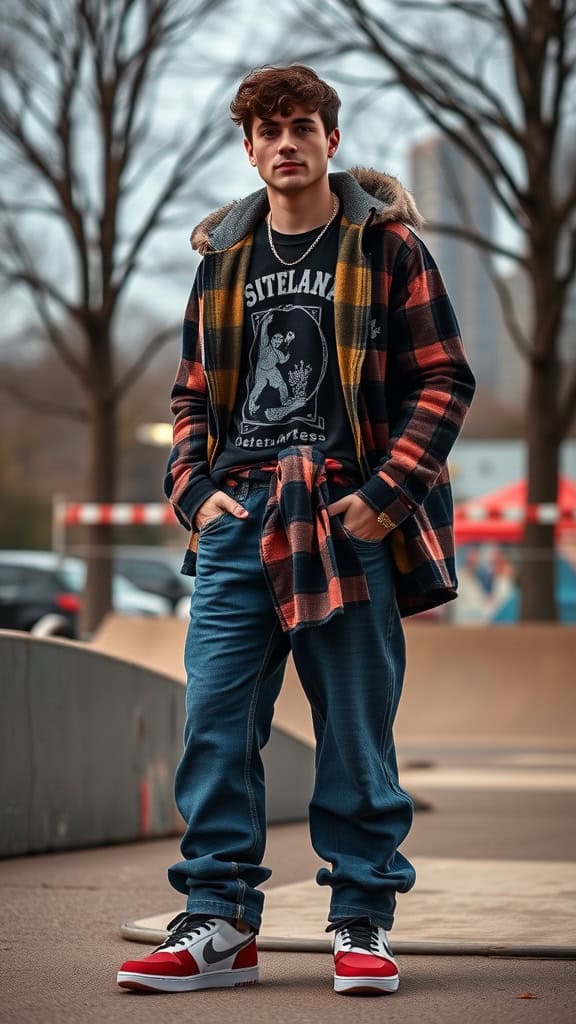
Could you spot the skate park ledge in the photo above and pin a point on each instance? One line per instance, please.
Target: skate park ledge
(91, 734)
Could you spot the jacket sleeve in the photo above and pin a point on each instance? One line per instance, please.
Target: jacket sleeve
(187, 482)
(430, 384)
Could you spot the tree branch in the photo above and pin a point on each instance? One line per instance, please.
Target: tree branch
(477, 11)
(35, 283)
(44, 209)
(563, 71)
(60, 181)
(39, 291)
(509, 316)
(481, 241)
(487, 160)
(444, 68)
(566, 207)
(42, 405)
(69, 82)
(199, 151)
(151, 349)
(469, 228)
(511, 25)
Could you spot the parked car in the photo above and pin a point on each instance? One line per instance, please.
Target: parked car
(42, 593)
(156, 570)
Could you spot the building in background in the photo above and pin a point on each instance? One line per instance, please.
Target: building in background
(512, 377)
(449, 190)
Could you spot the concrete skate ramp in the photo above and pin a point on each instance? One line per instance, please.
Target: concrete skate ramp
(514, 685)
(511, 685)
(159, 644)
(458, 906)
(89, 744)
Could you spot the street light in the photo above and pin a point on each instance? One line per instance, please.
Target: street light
(158, 434)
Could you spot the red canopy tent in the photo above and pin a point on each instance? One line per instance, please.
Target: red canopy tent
(500, 516)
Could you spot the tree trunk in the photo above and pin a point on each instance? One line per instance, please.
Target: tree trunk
(102, 489)
(537, 568)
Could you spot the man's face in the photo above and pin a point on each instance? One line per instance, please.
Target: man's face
(291, 153)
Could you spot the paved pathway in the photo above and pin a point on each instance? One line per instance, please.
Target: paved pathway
(60, 918)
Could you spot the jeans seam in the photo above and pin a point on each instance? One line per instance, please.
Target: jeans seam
(213, 904)
(391, 671)
(250, 739)
(316, 710)
(241, 896)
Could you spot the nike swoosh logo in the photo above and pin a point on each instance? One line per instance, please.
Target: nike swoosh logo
(213, 956)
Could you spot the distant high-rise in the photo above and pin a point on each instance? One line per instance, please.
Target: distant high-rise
(448, 189)
(512, 364)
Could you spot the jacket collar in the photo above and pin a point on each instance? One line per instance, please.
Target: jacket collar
(363, 192)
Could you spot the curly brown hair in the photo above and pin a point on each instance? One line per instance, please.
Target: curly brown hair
(269, 90)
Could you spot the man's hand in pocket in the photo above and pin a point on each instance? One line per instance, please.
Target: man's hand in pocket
(216, 504)
(358, 518)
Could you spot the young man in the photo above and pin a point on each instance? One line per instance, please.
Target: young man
(322, 385)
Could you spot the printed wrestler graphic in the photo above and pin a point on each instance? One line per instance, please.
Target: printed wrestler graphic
(270, 354)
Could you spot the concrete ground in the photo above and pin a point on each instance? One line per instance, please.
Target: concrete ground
(60, 916)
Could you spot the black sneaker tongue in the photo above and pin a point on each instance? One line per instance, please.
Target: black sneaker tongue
(360, 934)
(347, 921)
(186, 920)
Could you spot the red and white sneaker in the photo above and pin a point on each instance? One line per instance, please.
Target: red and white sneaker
(363, 960)
(200, 952)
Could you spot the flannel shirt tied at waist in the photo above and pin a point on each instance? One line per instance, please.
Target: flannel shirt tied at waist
(310, 563)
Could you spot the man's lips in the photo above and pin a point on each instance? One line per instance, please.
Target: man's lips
(287, 165)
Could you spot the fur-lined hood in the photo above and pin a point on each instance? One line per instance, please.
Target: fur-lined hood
(362, 191)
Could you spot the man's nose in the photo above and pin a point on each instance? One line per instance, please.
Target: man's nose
(287, 144)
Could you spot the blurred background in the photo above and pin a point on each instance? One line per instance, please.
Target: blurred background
(115, 141)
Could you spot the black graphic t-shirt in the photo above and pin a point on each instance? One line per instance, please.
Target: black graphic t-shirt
(289, 389)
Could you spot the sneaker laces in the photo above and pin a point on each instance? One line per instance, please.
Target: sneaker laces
(185, 926)
(361, 934)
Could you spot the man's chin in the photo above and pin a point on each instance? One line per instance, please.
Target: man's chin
(297, 183)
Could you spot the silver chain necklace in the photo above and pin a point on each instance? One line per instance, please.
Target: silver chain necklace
(310, 247)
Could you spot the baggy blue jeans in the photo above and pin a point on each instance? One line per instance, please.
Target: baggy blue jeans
(351, 670)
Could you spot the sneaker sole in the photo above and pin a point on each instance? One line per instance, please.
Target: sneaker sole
(377, 986)
(215, 979)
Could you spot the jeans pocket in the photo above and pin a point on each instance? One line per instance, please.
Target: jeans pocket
(212, 522)
(360, 540)
(238, 496)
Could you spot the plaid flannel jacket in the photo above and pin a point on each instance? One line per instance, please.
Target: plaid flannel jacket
(406, 382)
(311, 565)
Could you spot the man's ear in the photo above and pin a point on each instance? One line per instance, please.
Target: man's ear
(250, 151)
(333, 141)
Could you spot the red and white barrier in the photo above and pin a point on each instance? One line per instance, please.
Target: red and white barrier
(154, 514)
(547, 514)
(117, 514)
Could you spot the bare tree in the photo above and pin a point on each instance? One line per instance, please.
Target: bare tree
(514, 122)
(89, 184)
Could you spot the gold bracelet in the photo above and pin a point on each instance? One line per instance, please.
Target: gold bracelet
(385, 520)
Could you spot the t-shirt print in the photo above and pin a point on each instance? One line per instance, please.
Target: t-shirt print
(289, 390)
(287, 364)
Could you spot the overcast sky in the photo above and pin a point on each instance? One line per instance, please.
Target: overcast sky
(377, 131)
